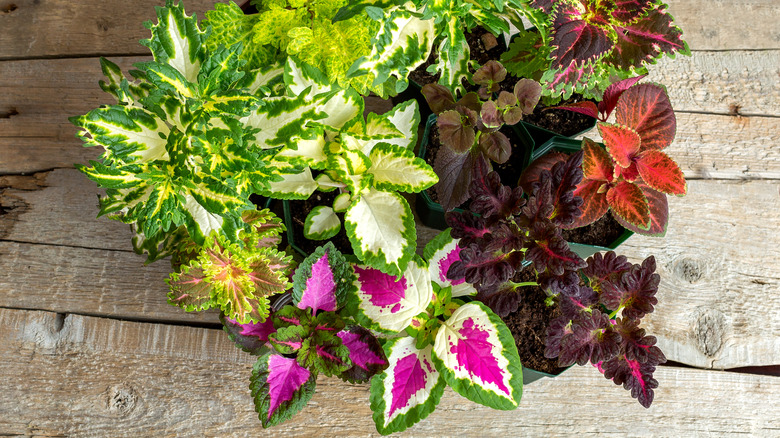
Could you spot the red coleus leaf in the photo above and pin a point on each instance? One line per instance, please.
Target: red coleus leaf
(645, 40)
(646, 108)
(659, 213)
(594, 203)
(661, 173)
(596, 162)
(585, 107)
(613, 93)
(627, 201)
(577, 40)
(622, 142)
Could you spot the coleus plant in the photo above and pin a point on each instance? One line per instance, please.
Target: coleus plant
(631, 175)
(436, 340)
(176, 153)
(446, 24)
(305, 30)
(602, 300)
(329, 145)
(587, 41)
(312, 336)
(469, 129)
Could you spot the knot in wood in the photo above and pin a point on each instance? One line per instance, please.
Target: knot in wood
(121, 399)
(709, 330)
(688, 269)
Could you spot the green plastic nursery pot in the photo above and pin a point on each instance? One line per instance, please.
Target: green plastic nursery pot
(431, 213)
(542, 136)
(568, 145)
(530, 376)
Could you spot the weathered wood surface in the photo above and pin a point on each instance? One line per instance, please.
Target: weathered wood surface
(56, 28)
(85, 376)
(42, 94)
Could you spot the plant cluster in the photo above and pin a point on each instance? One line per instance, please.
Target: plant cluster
(469, 129)
(272, 104)
(602, 300)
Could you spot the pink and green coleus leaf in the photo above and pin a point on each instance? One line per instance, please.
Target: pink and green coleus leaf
(251, 337)
(189, 288)
(366, 354)
(322, 280)
(280, 388)
(441, 253)
(408, 390)
(646, 109)
(477, 356)
(387, 303)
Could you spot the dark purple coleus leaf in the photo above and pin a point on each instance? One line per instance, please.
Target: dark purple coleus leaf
(251, 337)
(466, 226)
(558, 328)
(634, 376)
(366, 354)
(322, 280)
(627, 11)
(549, 251)
(576, 301)
(633, 291)
(454, 171)
(592, 339)
(482, 269)
(602, 267)
(495, 146)
(491, 198)
(636, 345)
(280, 388)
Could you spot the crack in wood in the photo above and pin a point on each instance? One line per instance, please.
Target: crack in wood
(7, 114)
(7, 9)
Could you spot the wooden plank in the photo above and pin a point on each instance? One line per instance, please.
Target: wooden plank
(735, 81)
(41, 95)
(45, 92)
(35, 29)
(99, 377)
(728, 25)
(88, 281)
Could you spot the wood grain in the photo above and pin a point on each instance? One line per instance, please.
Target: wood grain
(89, 376)
(728, 25)
(45, 93)
(36, 29)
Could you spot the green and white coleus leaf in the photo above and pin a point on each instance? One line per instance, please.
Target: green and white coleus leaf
(453, 58)
(397, 169)
(403, 43)
(477, 356)
(380, 226)
(176, 40)
(408, 390)
(441, 253)
(321, 223)
(293, 185)
(388, 303)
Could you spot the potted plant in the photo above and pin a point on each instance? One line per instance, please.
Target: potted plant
(273, 104)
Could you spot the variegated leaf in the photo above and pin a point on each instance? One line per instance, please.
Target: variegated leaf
(627, 201)
(323, 280)
(477, 356)
(404, 118)
(293, 185)
(280, 388)
(622, 142)
(441, 253)
(396, 168)
(176, 40)
(408, 390)
(321, 223)
(388, 303)
(380, 226)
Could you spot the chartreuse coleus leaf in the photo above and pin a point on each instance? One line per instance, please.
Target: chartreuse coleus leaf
(441, 253)
(477, 356)
(389, 303)
(176, 40)
(280, 388)
(230, 25)
(410, 388)
(236, 278)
